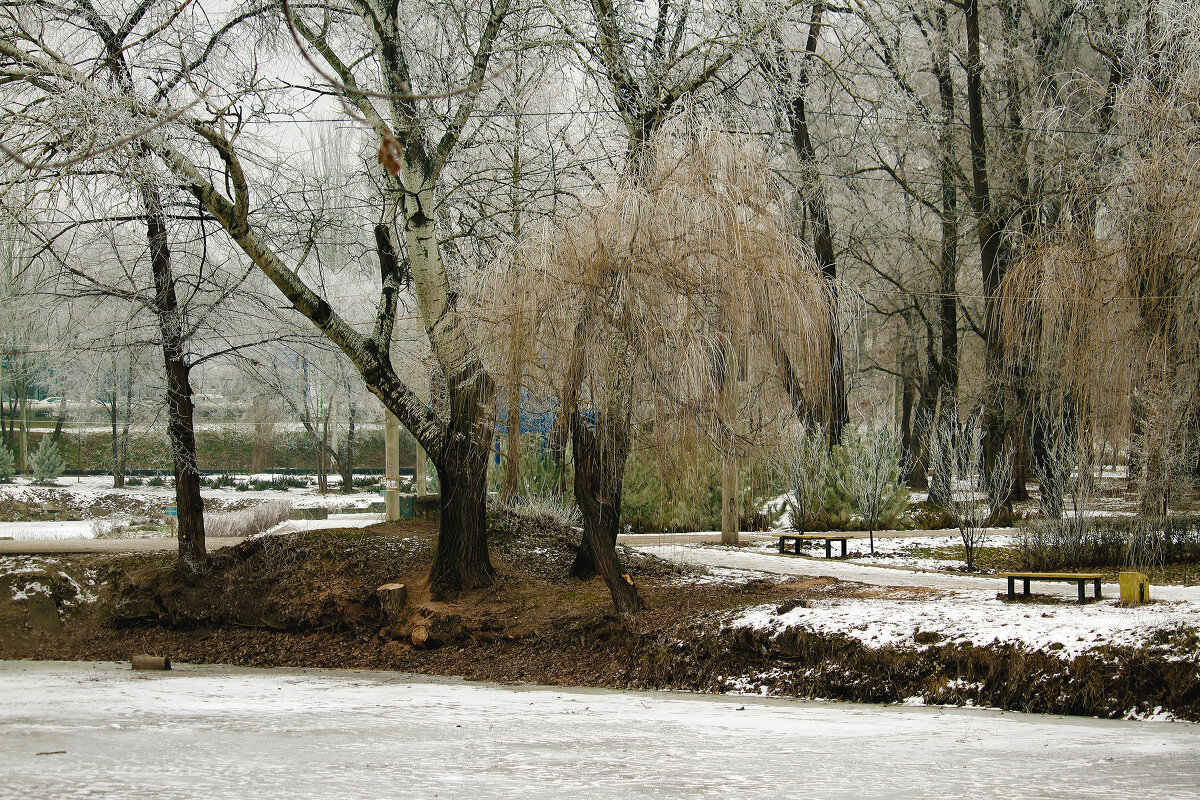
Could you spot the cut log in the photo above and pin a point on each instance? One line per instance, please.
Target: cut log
(151, 662)
(392, 598)
(420, 637)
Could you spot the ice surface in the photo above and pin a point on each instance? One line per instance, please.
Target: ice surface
(209, 732)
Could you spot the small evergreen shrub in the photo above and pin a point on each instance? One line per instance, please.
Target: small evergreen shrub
(46, 465)
(7, 464)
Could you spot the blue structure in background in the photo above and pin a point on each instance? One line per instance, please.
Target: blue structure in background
(534, 416)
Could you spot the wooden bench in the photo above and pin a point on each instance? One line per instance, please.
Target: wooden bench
(1080, 578)
(813, 537)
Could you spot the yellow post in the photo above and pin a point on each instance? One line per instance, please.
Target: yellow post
(1135, 588)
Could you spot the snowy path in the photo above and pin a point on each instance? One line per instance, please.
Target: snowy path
(773, 563)
(213, 732)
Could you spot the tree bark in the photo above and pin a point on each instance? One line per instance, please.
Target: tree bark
(346, 460)
(599, 474)
(180, 409)
(996, 422)
(461, 560)
(818, 210)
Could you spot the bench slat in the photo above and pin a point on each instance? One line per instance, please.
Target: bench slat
(1057, 576)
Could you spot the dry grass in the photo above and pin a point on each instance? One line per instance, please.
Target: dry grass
(247, 522)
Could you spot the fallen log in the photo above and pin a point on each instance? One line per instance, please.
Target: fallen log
(151, 662)
(420, 637)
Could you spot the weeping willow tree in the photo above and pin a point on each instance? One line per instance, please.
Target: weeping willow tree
(1102, 314)
(674, 311)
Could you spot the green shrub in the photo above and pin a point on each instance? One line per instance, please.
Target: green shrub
(684, 494)
(7, 464)
(540, 474)
(46, 465)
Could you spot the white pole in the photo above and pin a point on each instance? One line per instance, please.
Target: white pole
(391, 467)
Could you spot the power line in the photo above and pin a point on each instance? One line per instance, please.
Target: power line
(914, 120)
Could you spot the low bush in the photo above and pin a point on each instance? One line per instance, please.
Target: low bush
(1108, 542)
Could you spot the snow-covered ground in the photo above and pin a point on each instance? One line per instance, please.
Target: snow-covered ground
(47, 530)
(213, 732)
(958, 609)
(90, 493)
(91, 489)
(977, 618)
(893, 550)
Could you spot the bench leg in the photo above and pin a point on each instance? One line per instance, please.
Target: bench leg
(843, 548)
(781, 548)
(1081, 597)
(1097, 588)
(828, 552)
(1025, 586)
(1012, 589)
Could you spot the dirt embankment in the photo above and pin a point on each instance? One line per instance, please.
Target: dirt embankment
(310, 600)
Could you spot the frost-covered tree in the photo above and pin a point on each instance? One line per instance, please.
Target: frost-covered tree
(871, 473)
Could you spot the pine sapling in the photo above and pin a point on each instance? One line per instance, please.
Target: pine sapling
(46, 465)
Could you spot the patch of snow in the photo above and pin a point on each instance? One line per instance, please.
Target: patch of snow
(47, 530)
(974, 618)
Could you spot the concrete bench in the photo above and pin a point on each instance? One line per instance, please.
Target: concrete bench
(813, 537)
(1080, 578)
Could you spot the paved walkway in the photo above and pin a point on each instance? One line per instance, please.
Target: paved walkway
(777, 564)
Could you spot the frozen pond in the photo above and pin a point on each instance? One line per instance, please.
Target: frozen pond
(209, 732)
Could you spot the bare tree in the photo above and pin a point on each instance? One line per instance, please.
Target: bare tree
(976, 489)
(872, 473)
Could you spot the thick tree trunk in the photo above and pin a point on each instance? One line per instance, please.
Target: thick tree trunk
(180, 409)
(461, 560)
(997, 417)
(599, 475)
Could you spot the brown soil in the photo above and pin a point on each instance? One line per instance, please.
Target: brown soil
(309, 600)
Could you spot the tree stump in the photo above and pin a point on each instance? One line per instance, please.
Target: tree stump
(392, 598)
